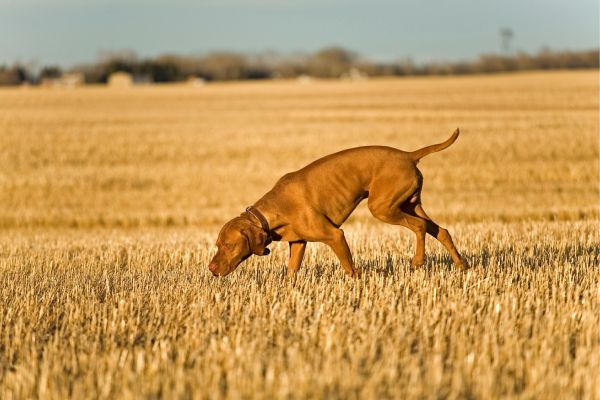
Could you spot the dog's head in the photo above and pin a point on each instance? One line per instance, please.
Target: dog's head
(238, 240)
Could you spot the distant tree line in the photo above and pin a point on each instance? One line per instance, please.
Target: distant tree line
(331, 62)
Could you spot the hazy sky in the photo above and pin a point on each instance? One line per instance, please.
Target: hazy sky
(70, 31)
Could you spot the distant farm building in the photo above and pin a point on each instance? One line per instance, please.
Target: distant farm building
(195, 81)
(354, 74)
(68, 80)
(120, 79)
(72, 79)
(304, 79)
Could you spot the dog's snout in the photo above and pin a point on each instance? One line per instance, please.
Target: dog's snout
(213, 267)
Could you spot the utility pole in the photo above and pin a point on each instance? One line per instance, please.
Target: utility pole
(506, 35)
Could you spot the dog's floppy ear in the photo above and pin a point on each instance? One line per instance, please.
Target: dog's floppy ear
(257, 240)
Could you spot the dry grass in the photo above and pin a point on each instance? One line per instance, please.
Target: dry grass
(110, 201)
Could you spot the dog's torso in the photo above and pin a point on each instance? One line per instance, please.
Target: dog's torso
(333, 186)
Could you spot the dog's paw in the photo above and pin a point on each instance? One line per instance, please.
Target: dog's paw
(417, 263)
(354, 274)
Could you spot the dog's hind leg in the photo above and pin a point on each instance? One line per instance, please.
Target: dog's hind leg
(415, 224)
(385, 200)
(441, 234)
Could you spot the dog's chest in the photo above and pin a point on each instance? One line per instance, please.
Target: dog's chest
(286, 234)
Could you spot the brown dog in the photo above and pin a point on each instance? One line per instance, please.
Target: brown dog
(311, 204)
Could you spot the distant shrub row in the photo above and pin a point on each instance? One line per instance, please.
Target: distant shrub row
(332, 62)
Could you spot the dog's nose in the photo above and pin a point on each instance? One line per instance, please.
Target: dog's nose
(213, 268)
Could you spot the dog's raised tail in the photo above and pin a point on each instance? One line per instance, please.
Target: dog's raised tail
(418, 154)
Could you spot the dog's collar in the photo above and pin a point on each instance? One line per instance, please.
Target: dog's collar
(261, 218)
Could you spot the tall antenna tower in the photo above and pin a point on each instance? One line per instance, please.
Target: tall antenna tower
(506, 35)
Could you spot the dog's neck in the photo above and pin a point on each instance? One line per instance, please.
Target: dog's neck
(255, 212)
(269, 212)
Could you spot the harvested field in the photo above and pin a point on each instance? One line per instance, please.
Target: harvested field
(111, 199)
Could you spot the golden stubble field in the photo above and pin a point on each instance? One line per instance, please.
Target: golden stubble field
(110, 201)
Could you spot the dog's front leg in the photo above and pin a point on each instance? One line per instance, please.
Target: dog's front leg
(296, 256)
(340, 247)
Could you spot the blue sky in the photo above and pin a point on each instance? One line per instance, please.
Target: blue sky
(66, 32)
